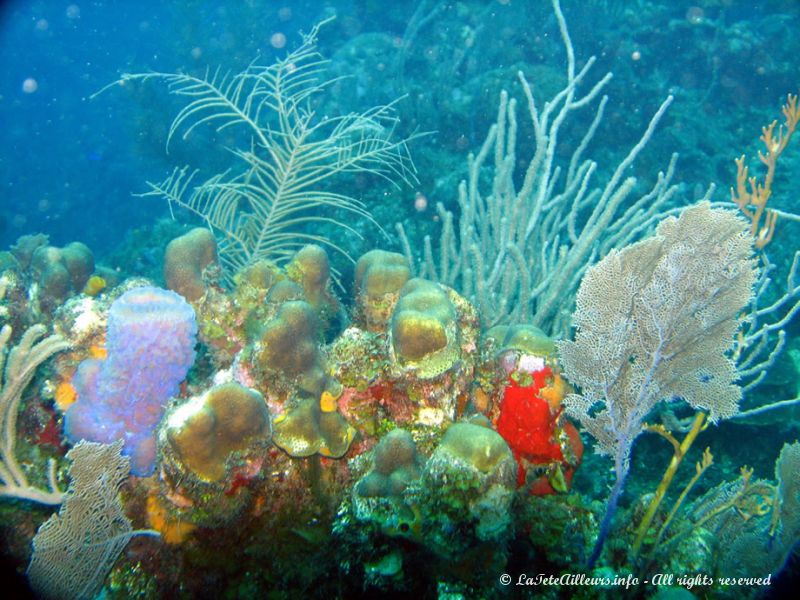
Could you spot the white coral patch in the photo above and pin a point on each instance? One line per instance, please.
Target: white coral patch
(530, 364)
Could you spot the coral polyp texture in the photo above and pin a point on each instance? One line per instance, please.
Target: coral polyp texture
(150, 347)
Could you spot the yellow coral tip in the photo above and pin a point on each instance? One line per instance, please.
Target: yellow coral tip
(65, 395)
(97, 351)
(327, 402)
(94, 285)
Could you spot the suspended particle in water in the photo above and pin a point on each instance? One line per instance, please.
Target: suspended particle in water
(695, 15)
(420, 202)
(277, 40)
(30, 85)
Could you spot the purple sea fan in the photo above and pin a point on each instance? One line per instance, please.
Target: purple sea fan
(150, 348)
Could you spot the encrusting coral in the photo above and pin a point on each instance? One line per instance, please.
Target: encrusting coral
(313, 427)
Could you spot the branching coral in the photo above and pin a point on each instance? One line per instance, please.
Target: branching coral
(292, 154)
(20, 367)
(519, 246)
(753, 201)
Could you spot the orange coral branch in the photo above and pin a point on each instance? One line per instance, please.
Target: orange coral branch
(753, 201)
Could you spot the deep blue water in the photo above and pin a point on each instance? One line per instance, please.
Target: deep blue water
(66, 158)
(70, 164)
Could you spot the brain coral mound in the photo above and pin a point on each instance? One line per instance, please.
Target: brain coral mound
(212, 452)
(185, 261)
(206, 430)
(378, 496)
(61, 272)
(479, 446)
(311, 270)
(379, 277)
(525, 339)
(467, 489)
(150, 348)
(423, 329)
(288, 347)
(394, 465)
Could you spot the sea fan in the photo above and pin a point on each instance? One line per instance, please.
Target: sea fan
(74, 550)
(263, 211)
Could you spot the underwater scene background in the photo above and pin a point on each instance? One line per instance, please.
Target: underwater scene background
(478, 299)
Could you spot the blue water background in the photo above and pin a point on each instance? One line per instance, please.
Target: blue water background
(70, 164)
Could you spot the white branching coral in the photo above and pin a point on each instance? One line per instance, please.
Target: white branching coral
(520, 244)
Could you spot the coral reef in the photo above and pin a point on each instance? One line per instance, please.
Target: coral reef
(314, 427)
(311, 270)
(466, 489)
(74, 550)
(205, 431)
(43, 277)
(288, 348)
(423, 329)
(377, 497)
(300, 426)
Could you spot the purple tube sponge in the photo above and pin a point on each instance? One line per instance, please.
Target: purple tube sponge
(150, 344)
